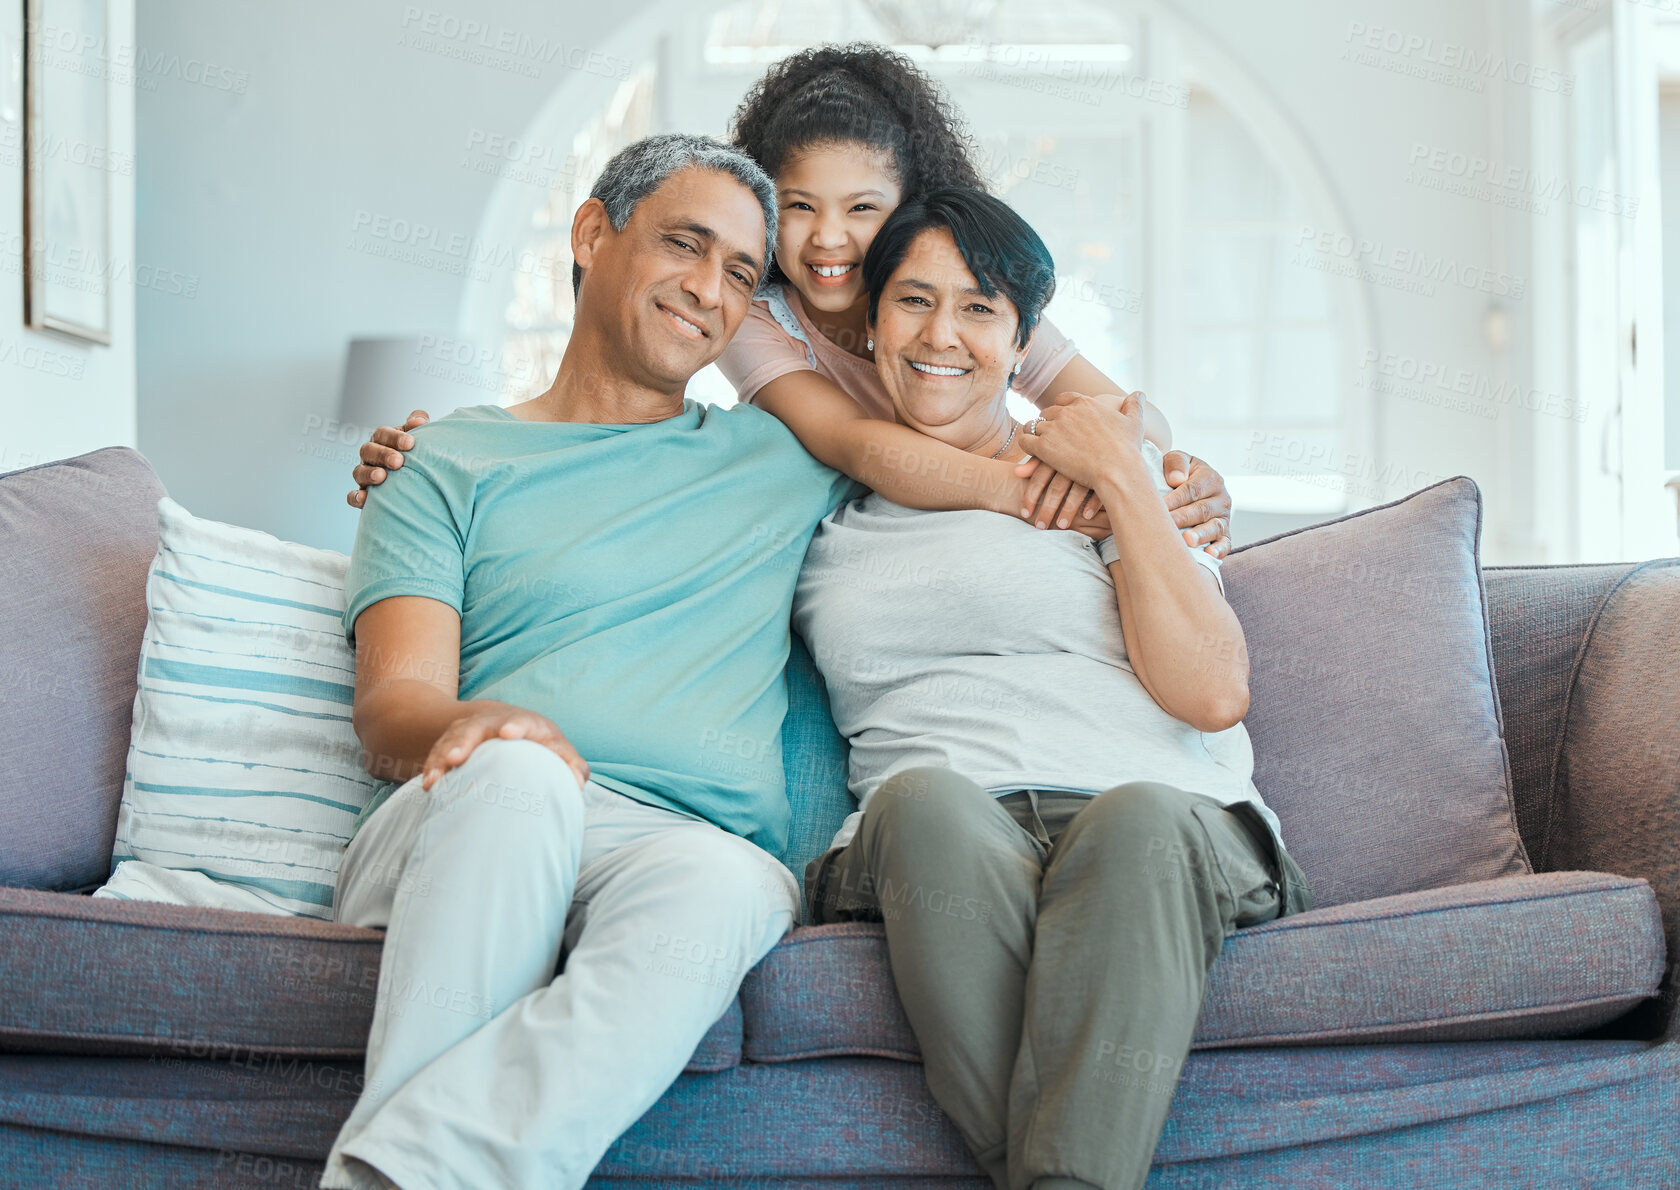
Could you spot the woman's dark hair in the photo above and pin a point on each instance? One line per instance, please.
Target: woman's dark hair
(1000, 248)
(864, 94)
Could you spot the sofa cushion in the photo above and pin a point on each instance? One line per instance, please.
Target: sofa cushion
(245, 774)
(1523, 956)
(1571, 1114)
(97, 976)
(78, 537)
(1372, 712)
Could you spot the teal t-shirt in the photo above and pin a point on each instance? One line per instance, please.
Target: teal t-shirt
(633, 583)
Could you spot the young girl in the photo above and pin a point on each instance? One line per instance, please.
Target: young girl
(848, 133)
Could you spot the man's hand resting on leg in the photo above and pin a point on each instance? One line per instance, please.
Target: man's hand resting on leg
(497, 721)
(407, 710)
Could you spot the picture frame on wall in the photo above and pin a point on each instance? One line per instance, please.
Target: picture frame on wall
(67, 164)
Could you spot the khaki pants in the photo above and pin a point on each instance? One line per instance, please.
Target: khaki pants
(1052, 951)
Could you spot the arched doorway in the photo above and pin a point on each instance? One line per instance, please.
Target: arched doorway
(1187, 216)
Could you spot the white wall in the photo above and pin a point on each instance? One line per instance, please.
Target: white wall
(61, 396)
(265, 194)
(1375, 127)
(258, 193)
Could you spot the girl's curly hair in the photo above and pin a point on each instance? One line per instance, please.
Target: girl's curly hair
(861, 93)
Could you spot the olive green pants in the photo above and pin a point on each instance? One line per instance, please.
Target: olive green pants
(1051, 951)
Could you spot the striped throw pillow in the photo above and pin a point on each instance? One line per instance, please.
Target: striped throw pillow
(244, 777)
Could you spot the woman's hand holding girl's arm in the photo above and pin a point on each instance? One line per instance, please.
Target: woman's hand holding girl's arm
(1182, 639)
(1199, 502)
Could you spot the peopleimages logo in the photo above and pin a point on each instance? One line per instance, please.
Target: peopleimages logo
(1321, 464)
(1510, 185)
(1446, 61)
(1044, 71)
(1380, 262)
(513, 50)
(77, 51)
(427, 246)
(35, 358)
(1379, 372)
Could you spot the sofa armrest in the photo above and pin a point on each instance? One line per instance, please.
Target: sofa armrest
(1538, 617)
(1609, 797)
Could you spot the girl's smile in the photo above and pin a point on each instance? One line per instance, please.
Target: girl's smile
(834, 198)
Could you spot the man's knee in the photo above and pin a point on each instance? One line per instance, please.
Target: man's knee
(516, 788)
(925, 799)
(733, 875)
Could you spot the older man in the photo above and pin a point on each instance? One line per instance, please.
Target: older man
(571, 620)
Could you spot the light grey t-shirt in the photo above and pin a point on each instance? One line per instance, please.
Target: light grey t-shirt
(976, 642)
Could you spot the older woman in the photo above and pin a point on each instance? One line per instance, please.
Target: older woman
(1057, 824)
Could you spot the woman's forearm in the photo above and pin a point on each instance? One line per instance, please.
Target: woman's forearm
(1182, 638)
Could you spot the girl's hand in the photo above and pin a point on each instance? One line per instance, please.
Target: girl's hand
(1096, 527)
(1057, 499)
(382, 450)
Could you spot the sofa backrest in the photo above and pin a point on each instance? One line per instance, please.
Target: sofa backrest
(78, 537)
(80, 534)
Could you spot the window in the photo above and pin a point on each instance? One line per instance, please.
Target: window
(1112, 131)
(539, 312)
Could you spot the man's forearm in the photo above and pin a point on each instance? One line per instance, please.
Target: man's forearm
(398, 723)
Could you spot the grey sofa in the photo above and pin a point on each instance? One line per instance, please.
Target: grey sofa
(155, 1045)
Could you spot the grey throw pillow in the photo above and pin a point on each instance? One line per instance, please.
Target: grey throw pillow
(1372, 709)
(79, 535)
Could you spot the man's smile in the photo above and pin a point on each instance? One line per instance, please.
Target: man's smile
(689, 329)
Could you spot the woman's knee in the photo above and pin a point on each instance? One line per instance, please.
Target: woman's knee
(1145, 819)
(924, 798)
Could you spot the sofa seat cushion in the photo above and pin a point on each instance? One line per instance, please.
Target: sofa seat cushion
(95, 976)
(1522, 956)
(1453, 1114)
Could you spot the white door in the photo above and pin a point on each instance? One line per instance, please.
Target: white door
(1608, 193)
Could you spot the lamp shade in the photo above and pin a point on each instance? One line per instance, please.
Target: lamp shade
(386, 378)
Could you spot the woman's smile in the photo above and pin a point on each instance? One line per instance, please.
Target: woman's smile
(928, 369)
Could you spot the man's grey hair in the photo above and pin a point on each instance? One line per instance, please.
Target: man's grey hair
(638, 169)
